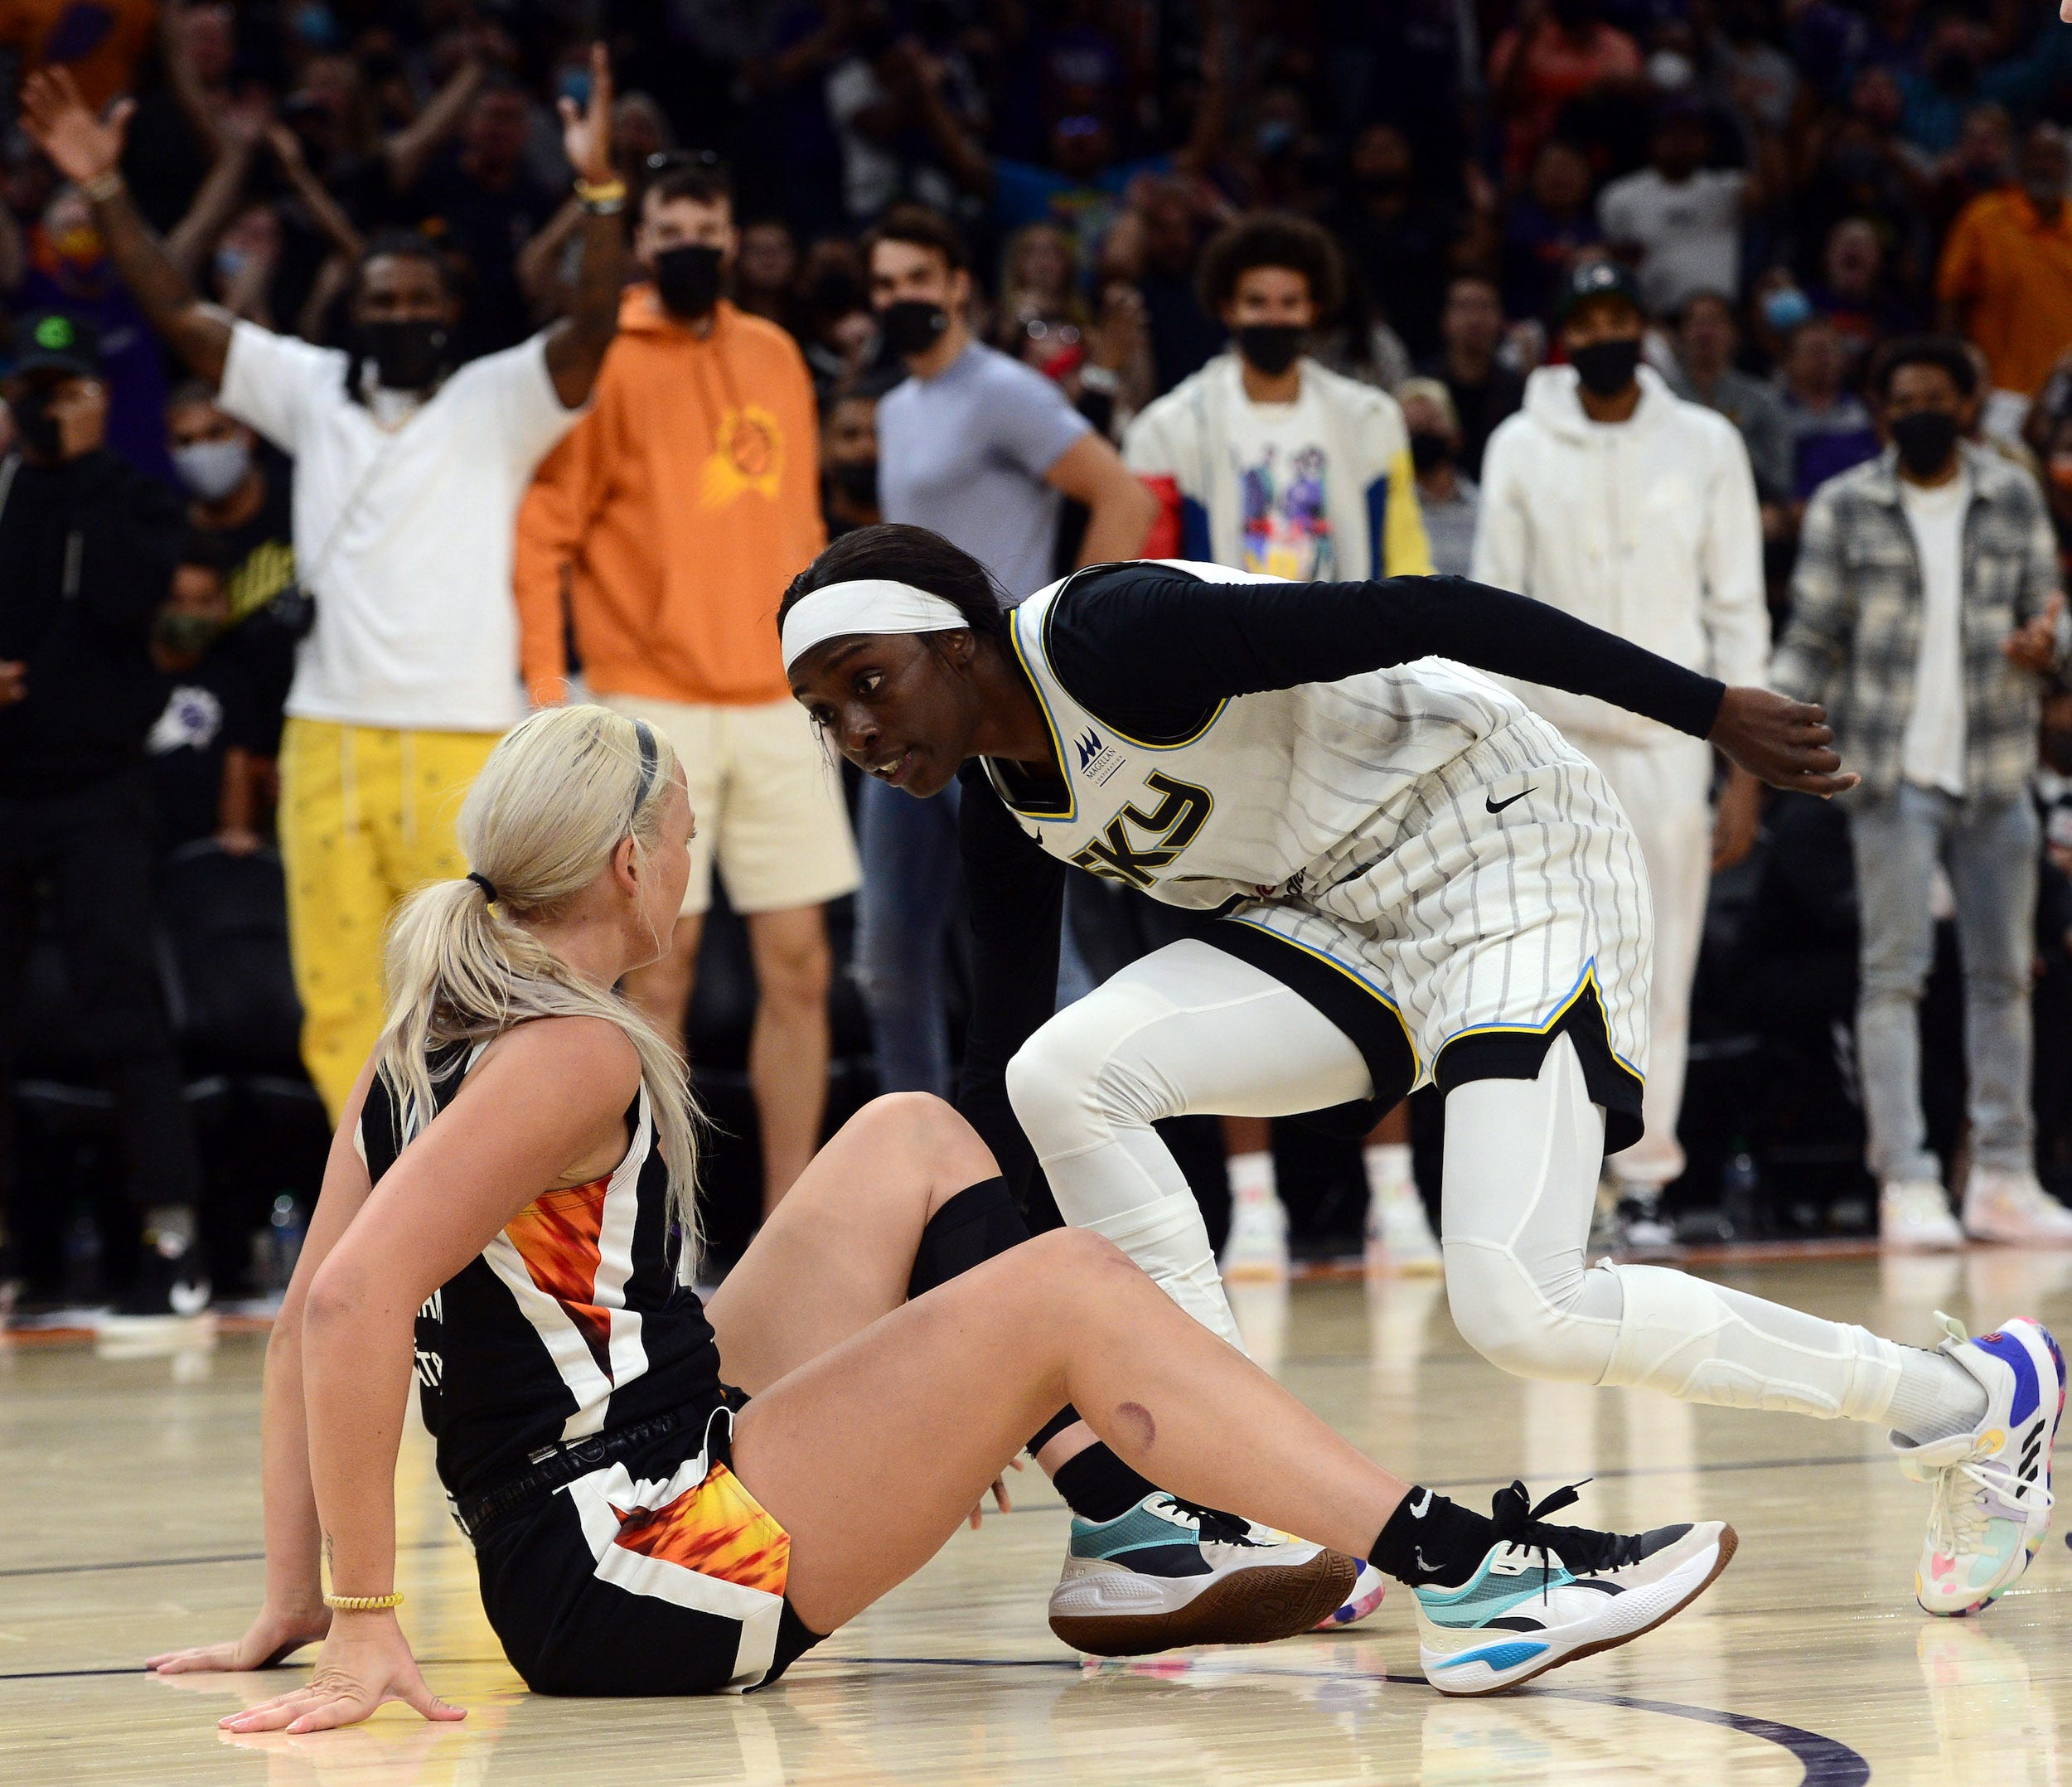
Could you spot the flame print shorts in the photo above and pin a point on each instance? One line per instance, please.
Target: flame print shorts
(645, 1578)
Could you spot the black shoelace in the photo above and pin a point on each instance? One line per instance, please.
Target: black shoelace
(1582, 1550)
(1216, 1527)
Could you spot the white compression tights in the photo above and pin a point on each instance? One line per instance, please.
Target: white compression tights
(1191, 1030)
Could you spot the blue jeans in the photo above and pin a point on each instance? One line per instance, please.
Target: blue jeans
(909, 851)
(911, 871)
(1989, 850)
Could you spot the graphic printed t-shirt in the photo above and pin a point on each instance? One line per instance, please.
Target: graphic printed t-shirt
(1283, 470)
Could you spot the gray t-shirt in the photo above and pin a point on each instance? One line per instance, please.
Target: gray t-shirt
(965, 453)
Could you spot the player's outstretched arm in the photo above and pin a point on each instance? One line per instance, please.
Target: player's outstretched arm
(1787, 744)
(471, 1170)
(293, 1613)
(1211, 640)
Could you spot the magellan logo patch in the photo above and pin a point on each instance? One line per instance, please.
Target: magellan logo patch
(1098, 759)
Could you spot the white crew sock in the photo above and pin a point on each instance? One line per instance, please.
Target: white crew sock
(1936, 1397)
(1388, 1173)
(1251, 1179)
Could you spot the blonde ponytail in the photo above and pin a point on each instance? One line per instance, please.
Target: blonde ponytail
(557, 797)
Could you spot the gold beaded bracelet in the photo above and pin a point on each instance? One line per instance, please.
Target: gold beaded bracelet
(362, 1603)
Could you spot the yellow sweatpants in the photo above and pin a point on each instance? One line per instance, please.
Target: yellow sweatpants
(366, 814)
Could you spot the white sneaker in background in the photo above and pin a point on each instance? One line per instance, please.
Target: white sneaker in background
(1399, 1237)
(1913, 1216)
(1641, 1225)
(1258, 1244)
(2000, 1205)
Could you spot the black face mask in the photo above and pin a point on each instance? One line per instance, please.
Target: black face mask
(688, 280)
(1429, 451)
(1924, 440)
(36, 425)
(857, 481)
(1606, 368)
(408, 355)
(911, 326)
(1271, 347)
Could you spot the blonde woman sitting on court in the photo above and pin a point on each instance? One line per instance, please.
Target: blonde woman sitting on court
(510, 1200)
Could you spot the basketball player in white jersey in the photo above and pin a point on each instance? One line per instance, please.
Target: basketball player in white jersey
(1418, 881)
(646, 1482)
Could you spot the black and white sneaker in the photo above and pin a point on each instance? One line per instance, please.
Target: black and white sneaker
(171, 1284)
(1545, 1595)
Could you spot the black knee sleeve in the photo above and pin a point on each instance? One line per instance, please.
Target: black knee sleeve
(979, 1221)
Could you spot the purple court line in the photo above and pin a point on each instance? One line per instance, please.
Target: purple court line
(1825, 1761)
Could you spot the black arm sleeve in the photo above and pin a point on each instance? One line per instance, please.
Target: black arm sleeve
(1151, 649)
(1016, 896)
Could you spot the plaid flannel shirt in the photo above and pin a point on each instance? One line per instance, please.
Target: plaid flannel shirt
(1854, 642)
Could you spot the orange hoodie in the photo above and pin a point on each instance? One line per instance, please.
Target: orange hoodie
(673, 514)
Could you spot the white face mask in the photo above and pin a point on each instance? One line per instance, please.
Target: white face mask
(212, 469)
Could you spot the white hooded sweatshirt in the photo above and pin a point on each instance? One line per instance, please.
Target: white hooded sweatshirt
(1647, 528)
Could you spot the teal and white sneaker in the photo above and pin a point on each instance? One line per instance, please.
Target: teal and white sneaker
(1168, 1573)
(1545, 1595)
(1992, 1485)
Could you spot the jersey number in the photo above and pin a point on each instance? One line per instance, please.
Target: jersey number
(1171, 826)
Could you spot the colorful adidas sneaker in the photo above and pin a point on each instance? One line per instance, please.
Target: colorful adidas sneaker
(1545, 1595)
(1991, 1485)
(1168, 1573)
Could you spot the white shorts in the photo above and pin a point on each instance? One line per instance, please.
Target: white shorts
(768, 801)
(1514, 906)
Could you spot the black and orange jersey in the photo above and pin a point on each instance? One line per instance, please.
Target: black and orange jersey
(570, 1322)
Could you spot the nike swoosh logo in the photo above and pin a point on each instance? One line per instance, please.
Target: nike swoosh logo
(1495, 806)
(1417, 1508)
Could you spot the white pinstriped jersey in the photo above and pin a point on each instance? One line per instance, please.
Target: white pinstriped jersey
(1416, 827)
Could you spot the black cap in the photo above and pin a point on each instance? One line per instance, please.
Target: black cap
(1596, 278)
(49, 340)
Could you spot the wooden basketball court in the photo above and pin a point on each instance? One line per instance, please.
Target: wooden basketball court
(129, 1523)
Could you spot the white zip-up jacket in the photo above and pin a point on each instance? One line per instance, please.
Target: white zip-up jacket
(1648, 528)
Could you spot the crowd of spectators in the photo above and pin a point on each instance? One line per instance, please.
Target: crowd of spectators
(950, 261)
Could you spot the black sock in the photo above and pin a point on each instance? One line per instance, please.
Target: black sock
(1097, 1485)
(1430, 1539)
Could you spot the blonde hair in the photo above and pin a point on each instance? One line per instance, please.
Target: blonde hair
(557, 795)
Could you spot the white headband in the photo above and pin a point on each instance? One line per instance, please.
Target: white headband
(870, 605)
